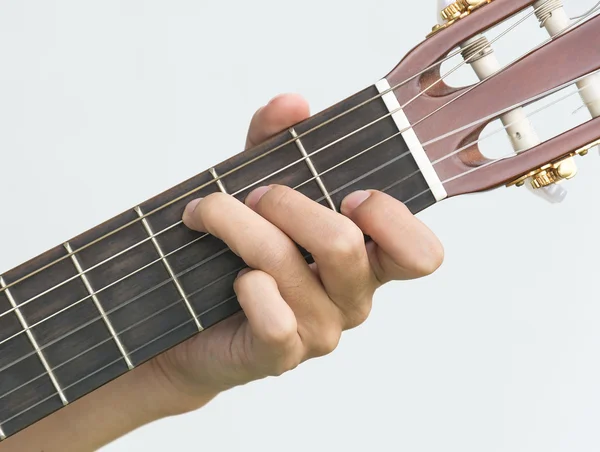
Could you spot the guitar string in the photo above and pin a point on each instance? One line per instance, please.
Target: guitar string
(122, 252)
(206, 311)
(396, 184)
(294, 139)
(480, 139)
(176, 224)
(130, 352)
(586, 13)
(108, 339)
(240, 191)
(222, 251)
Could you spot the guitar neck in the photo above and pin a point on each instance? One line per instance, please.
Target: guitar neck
(89, 310)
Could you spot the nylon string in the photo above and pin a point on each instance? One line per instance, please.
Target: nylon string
(213, 282)
(303, 159)
(212, 257)
(292, 140)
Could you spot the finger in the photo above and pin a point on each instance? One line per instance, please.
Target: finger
(277, 347)
(254, 239)
(264, 247)
(335, 242)
(404, 247)
(280, 113)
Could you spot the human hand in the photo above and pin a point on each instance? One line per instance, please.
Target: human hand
(293, 311)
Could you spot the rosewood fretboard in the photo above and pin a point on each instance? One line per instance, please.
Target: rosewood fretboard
(118, 301)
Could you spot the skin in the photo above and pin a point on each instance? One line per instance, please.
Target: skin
(292, 311)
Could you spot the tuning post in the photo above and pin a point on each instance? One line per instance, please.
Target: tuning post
(553, 17)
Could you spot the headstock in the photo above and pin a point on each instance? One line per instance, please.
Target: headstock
(449, 121)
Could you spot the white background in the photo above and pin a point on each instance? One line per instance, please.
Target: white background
(104, 104)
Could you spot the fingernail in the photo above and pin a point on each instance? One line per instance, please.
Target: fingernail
(243, 272)
(189, 210)
(255, 196)
(352, 201)
(276, 98)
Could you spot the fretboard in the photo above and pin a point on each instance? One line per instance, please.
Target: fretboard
(89, 310)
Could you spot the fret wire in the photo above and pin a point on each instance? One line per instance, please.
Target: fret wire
(349, 159)
(142, 346)
(113, 362)
(213, 173)
(336, 191)
(274, 173)
(204, 235)
(312, 168)
(93, 267)
(225, 250)
(129, 328)
(99, 307)
(170, 271)
(370, 173)
(116, 308)
(391, 89)
(2, 434)
(417, 196)
(34, 343)
(301, 135)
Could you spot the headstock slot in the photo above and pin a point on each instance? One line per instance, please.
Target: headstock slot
(470, 109)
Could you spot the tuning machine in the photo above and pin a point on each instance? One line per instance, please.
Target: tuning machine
(479, 54)
(451, 11)
(545, 181)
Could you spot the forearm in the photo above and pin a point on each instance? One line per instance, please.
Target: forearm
(112, 411)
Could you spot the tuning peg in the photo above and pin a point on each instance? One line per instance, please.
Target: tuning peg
(554, 18)
(545, 182)
(441, 7)
(449, 11)
(554, 194)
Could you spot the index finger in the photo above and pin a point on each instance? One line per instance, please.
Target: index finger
(280, 113)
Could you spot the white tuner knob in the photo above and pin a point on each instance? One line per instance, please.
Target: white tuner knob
(554, 194)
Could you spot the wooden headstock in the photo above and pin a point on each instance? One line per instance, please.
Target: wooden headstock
(460, 114)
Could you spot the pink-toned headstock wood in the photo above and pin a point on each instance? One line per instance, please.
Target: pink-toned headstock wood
(570, 56)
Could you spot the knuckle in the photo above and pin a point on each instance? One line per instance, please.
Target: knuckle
(280, 337)
(211, 207)
(279, 197)
(360, 313)
(347, 241)
(327, 341)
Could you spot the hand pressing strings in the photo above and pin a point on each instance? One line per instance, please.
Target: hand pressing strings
(292, 311)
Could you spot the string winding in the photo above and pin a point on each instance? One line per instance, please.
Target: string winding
(298, 161)
(291, 140)
(226, 249)
(175, 303)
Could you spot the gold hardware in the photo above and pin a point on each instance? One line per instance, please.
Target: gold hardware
(584, 150)
(555, 172)
(456, 11)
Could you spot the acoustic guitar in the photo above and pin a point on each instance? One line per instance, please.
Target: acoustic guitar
(101, 304)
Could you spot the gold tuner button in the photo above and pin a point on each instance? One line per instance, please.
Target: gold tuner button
(586, 149)
(554, 174)
(567, 169)
(456, 11)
